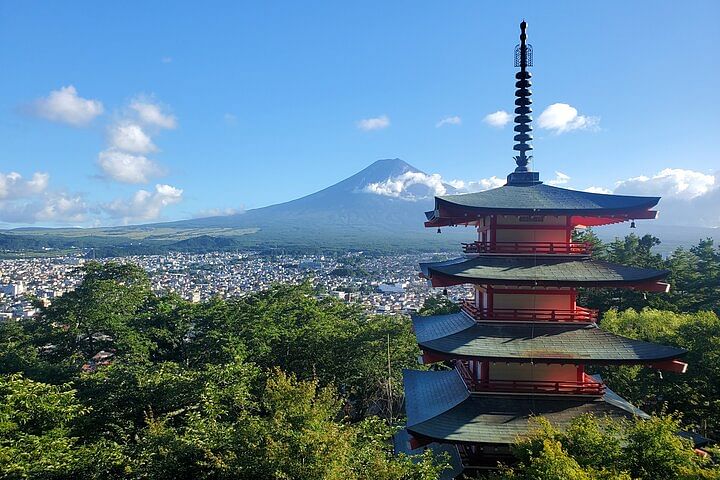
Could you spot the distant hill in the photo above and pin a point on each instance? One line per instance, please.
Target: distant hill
(344, 216)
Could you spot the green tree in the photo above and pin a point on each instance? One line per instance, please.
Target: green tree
(604, 449)
(98, 315)
(438, 305)
(695, 393)
(35, 438)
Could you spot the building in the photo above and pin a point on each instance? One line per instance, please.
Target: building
(519, 348)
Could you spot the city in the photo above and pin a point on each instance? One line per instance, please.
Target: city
(385, 284)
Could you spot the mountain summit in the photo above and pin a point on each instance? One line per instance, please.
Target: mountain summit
(387, 195)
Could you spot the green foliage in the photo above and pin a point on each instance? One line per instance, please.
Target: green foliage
(438, 305)
(696, 393)
(694, 275)
(602, 449)
(198, 390)
(35, 433)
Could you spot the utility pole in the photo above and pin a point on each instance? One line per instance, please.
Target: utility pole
(389, 383)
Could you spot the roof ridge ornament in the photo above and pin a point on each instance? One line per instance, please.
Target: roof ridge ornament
(523, 128)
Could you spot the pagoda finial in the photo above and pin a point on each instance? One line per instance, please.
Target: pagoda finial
(523, 120)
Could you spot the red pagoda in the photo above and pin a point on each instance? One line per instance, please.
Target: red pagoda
(520, 346)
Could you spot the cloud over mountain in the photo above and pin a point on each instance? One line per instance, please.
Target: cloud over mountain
(143, 205)
(415, 185)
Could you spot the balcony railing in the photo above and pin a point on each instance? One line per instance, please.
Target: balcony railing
(559, 248)
(588, 386)
(579, 314)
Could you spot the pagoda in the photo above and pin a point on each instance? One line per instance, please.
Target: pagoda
(520, 346)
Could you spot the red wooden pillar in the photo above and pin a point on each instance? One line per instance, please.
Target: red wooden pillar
(489, 306)
(485, 372)
(568, 230)
(581, 373)
(493, 231)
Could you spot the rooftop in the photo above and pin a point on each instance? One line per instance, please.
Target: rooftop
(458, 336)
(537, 271)
(537, 199)
(439, 407)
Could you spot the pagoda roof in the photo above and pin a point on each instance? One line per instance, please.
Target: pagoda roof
(536, 199)
(537, 271)
(438, 409)
(458, 336)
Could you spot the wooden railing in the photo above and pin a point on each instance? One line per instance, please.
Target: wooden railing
(560, 248)
(588, 386)
(580, 314)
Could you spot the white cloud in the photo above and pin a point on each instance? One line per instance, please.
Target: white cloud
(688, 197)
(670, 182)
(144, 205)
(454, 120)
(130, 137)
(53, 207)
(418, 185)
(483, 184)
(497, 119)
(377, 123)
(66, 106)
(62, 207)
(218, 212)
(561, 118)
(152, 115)
(402, 186)
(594, 189)
(13, 186)
(560, 179)
(126, 167)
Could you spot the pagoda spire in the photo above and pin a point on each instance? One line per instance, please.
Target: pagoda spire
(523, 128)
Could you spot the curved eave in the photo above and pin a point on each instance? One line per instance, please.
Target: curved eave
(501, 419)
(531, 271)
(586, 208)
(576, 219)
(438, 279)
(440, 408)
(440, 355)
(450, 337)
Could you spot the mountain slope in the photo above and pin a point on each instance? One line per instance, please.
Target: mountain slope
(346, 204)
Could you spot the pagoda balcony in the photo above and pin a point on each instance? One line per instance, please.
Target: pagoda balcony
(529, 248)
(588, 385)
(578, 315)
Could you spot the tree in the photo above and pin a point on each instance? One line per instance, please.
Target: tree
(695, 394)
(35, 439)
(96, 316)
(604, 449)
(438, 305)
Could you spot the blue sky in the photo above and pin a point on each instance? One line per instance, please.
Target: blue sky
(222, 106)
